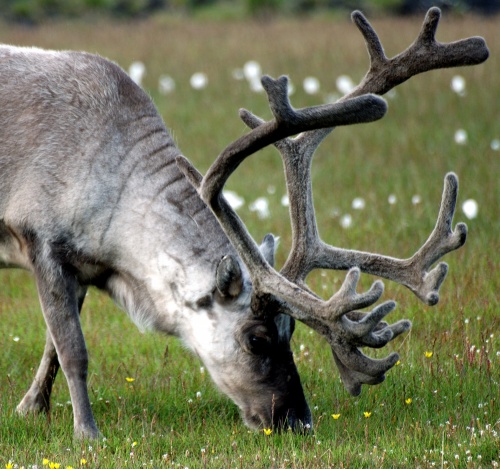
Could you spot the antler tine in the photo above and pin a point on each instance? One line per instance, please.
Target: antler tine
(423, 55)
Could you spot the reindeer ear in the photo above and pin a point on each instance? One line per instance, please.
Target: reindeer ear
(228, 277)
(268, 248)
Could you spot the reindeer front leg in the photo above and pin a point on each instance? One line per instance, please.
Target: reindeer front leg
(58, 291)
(37, 399)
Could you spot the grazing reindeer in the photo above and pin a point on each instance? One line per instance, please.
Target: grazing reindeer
(94, 192)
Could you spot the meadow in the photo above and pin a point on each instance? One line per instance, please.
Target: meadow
(377, 187)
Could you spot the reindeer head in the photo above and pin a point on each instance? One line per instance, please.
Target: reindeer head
(346, 329)
(244, 342)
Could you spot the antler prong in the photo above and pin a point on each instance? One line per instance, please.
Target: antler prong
(372, 41)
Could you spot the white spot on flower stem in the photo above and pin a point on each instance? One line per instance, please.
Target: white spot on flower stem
(461, 137)
(346, 221)
(470, 208)
(311, 85)
(198, 80)
(137, 70)
(358, 203)
(166, 84)
(233, 199)
(344, 84)
(261, 207)
(252, 70)
(458, 85)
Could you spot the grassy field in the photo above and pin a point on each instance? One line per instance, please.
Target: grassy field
(439, 408)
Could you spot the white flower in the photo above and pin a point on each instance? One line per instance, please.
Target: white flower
(137, 70)
(495, 144)
(252, 70)
(261, 206)
(458, 85)
(358, 203)
(461, 137)
(344, 84)
(233, 199)
(198, 80)
(311, 85)
(470, 208)
(346, 221)
(416, 199)
(392, 199)
(285, 202)
(166, 84)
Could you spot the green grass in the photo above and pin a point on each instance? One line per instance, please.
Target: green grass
(159, 420)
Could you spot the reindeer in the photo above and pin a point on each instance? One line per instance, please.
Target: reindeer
(94, 192)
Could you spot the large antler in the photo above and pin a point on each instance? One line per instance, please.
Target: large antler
(345, 333)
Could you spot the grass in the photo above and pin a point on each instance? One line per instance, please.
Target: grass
(439, 410)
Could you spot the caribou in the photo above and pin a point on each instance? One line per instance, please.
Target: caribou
(94, 192)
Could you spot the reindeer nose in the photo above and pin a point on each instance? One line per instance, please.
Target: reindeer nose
(294, 422)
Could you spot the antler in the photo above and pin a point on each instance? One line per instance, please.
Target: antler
(346, 333)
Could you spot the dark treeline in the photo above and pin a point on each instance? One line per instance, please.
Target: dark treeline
(34, 11)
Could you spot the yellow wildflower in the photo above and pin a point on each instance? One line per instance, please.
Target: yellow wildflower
(428, 354)
(267, 431)
(45, 462)
(130, 380)
(134, 444)
(83, 461)
(408, 401)
(367, 415)
(398, 363)
(336, 416)
(69, 467)
(9, 465)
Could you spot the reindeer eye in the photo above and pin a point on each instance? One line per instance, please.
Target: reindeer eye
(259, 344)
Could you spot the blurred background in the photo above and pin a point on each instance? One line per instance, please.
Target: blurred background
(35, 11)
(377, 188)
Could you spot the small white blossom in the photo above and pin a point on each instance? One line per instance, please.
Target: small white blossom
(458, 85)
(166, 84)
(358, 203)
(344, 84)
(470, 208)
(261, 206)
(311, 85)
(198, 81)
(137, 70)
(233, 199)
(252, 70)
(346, 221)
(461, 137)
